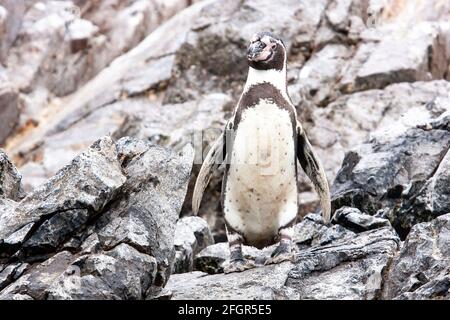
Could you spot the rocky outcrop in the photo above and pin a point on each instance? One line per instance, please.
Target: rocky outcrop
(422, 268)
(10, 179)
(51, 48)
(101, 228)
(9, 111)
(344, 266)
(369, 80)
(400, 170)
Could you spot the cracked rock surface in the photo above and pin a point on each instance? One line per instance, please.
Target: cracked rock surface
(101, 228)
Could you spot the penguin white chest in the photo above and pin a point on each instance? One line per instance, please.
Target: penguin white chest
(261, 188)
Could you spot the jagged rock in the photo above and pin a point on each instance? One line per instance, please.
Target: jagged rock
(310, 232)
(354, 219)
(395, 168)
(144, 215)
(192, 234)
(121, 273)
(54, 47)
(33, 284)
(415, 54)
(258, 283)
(348, 268)
(422, 268)
(434, 197)
(11, 273)
(114, 238)
(9, 111)
(344, 123)
(320, 81)
(10, 179)
(212, 258)
(11, 14)
(63, 205)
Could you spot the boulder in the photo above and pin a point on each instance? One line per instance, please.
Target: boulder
(346, 268)
(102, 228)
(354, 219)
(421, 270)
(192, 234)
(10, 179)
(63, 205)
(400, 168)
(9, 111)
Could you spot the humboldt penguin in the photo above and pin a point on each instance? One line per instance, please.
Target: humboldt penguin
(260, 147)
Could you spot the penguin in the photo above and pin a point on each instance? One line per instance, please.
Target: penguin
(261, 147)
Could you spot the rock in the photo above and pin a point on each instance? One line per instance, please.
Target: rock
(11, 273)
(349, 269)
(212, 258)
(62, 205)
(311, 232)
(33, 284)
(57, 46)
(11, 14)
(9, 112)
(321, 81)
(416, 54)
(192, 234)
(255, 284)
(392, 170)
(421, 270)
(10, 179)
(354, 219)
(121, 273)
(357, 264)
(344, 124)
(434, 197)
(113, 237)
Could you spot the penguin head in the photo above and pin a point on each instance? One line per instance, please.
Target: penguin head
(266, 51)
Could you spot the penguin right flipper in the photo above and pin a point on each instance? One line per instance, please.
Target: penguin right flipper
(314, 170)
(212, 161)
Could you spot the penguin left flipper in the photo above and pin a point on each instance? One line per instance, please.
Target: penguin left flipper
(212, 161)
(314, 170)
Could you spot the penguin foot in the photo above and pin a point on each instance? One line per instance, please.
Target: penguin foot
(282, 253)
(238, 265)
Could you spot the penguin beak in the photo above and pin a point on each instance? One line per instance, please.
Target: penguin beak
(254, 50)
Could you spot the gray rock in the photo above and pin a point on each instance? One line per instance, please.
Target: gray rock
(34, 283)
(9, 112)
(116, 241)
(62, 205)
(422, 268)
(354, 219)
(192, 234)
(121, 273)
(348, 269)
(259, 283)
(433, 198)
(146, 211)
(351, 268)
(395, 168)
(213, 258)
(10, 179)
(11, 273)
(11, 14)
(311, 232)
(416, 55)
(320, 81)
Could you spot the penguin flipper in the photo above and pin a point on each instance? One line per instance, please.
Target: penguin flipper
(212, 161)
(314, 170)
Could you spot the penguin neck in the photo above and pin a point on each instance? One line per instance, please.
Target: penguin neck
(277, 78)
